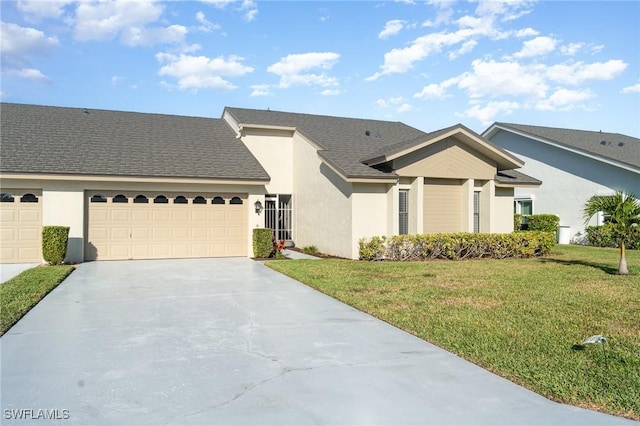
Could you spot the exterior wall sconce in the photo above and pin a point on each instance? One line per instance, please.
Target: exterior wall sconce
(258, 206)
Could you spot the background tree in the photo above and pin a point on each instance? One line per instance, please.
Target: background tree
(623, 211)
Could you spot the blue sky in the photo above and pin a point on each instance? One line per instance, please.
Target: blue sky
(430, 64)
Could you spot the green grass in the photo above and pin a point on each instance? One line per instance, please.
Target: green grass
(519, 318)
(21, 293)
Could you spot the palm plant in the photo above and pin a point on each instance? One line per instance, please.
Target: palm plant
(624, 212)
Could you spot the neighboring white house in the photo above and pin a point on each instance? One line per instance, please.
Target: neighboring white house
(573, 165)
(141, 186)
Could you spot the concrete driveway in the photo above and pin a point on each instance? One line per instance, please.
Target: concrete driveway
(228, 341)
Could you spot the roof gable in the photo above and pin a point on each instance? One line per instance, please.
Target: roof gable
(57, 140)
(621, 150)
(358, 147)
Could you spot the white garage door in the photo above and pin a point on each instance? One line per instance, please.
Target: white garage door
(161, 225)
(20, 226)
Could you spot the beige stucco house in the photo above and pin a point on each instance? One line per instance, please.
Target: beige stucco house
(140, 186)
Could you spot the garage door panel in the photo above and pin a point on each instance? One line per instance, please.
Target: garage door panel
(7, 235)
(165, 230)
(21, 227)
(29, 216)
(7, 215)
(119, 215)
(28, 234)
(120, 233)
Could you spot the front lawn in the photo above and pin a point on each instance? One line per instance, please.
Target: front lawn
(520, 318)
(19, 294)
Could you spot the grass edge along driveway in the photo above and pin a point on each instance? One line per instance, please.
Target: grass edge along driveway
(522, 319)
(22, 292)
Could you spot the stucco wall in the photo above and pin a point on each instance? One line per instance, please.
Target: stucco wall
(502, 217)
(321, 203)
(568, 179)
(369, 212)
(274, 151)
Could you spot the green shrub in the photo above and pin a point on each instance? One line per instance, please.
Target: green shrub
(372, 249)
(54, 244)
(457, 246)
(310, 249)
(543, 222)
(517, 222)
(602, 236)
(262, 242)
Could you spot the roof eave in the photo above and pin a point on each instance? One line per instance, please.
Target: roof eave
(131, 178)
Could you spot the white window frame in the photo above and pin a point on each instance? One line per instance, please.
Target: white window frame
(404, 212)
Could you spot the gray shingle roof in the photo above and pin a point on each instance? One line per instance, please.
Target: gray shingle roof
(514, 177)
(344, 140)
(611, 146)
(43, 139)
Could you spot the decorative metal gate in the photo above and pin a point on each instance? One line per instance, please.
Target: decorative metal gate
(278, 215)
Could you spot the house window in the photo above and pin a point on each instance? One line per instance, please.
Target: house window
(476, 211)
(180, 199)
(236, 200)
(28, 198)
(160, 199)
(6, 198)
(217, 200)
(199, 200)
(523, 206)
(120, 199)
(403, 212)
(140, 199)
(98, 198)
(278, 216)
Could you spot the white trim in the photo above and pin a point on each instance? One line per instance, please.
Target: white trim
(129, 179)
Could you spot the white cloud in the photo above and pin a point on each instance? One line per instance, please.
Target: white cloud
(35, 10)
(205, 25)
(466, 47)
(30, 74)
(19, 46)
(537, 47)
(399, 103)
(115, 80)
(486, 114)
(250, 10)
(296, 69)
(19, 43)
(248, 7)
(155, 35)
(579, 72)
(391, 28)
(526, 32)
(331, 92)
(470, 30)
(127, 20)
(571, 48)
(199, 72)
(631, 89)
(437, 91)
(564, 100)
(261, 90)
(494, 79)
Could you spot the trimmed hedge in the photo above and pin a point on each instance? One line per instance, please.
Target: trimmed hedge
(262, 243)
(543, 222)
(54, 244)
(457, 246)
(517, 222)
(602, 236)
